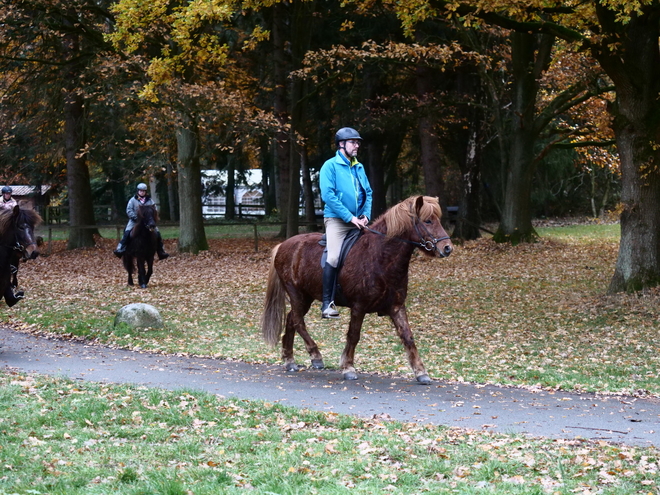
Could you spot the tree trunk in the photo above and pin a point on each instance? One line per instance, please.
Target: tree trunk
(634, 67)
(81, 205)
(529, 58)
(192, 238)
(230, 191)
(468, 218)
(375, 169)
(172, 193)
(430, 153)
(308, 192)
(267, 177)
(281, 110)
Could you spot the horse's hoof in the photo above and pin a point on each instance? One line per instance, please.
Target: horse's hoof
(144, 286)
(292, 367)
(350, 375)
(318, 364)
(424, 380)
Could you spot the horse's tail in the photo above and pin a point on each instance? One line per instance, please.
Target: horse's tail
(272, 319)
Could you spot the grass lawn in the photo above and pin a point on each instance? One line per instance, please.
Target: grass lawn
(59, 437)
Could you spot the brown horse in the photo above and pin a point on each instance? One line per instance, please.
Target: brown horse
(373, 279)
(17, 242)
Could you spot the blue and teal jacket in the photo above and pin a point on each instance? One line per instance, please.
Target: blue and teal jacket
(345, 188)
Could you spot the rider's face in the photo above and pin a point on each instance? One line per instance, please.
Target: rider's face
(142, 192)
(351, 147)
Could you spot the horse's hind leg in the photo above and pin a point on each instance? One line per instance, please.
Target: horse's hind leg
(295, 323)
(310, 344)
(400, 319)
(352, 338)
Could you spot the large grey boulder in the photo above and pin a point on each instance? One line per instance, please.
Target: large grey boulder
(139, 315)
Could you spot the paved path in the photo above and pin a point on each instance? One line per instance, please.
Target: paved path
(628, 420)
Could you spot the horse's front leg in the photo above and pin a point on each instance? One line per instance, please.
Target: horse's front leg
(150, 270)
(352, 339)
(142, 274)
(400, 319)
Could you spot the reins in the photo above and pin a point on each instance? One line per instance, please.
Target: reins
(427, 244)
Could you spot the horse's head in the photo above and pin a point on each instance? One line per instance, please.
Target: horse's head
(148, 216)
(432, 236)
(417, 219)
(24, 222)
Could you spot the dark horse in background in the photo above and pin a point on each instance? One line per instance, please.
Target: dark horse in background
(17, 241)
(142, 246)
(373, 279)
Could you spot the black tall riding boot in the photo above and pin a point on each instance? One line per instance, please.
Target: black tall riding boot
(161, 248)
(121, 247)
(328, 309)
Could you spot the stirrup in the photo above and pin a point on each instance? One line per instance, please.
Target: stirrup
(330, 311)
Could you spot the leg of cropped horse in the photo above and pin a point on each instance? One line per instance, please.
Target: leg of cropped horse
(400, 319)
(352, 339)
(12, 298)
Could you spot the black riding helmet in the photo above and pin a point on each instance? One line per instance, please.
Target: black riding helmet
(6, 190)
(346, 133)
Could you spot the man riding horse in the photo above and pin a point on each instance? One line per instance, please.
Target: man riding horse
(346, 192)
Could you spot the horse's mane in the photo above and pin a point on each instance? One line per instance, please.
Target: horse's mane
(6, 218)
(401, 217)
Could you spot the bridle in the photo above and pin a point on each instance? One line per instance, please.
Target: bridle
(22, 248)
(17, 246)
(427, 242)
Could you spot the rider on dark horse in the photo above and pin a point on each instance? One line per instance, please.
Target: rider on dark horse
(346, 192)
(141, 198)
(8, 203)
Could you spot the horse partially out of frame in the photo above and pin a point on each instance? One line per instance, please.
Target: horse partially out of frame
(373, 279)
(142, 245)
(17, 241)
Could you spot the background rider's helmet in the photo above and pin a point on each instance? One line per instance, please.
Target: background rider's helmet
(6, 190)
(142, 186)
(346, 133)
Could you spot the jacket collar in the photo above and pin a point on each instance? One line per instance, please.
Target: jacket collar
(346, 161)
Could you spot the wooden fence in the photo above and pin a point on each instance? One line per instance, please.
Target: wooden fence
(120, 228)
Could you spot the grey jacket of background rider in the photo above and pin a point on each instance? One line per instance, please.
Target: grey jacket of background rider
(132, 209)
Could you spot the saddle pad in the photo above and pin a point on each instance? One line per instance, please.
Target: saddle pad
(346, 246)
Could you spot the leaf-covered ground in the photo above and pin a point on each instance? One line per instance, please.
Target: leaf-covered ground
(532, 315)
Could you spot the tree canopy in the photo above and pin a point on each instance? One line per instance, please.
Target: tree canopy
(508, 109)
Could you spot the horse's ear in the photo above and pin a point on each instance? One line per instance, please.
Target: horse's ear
(17, 210)
(419, 203)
